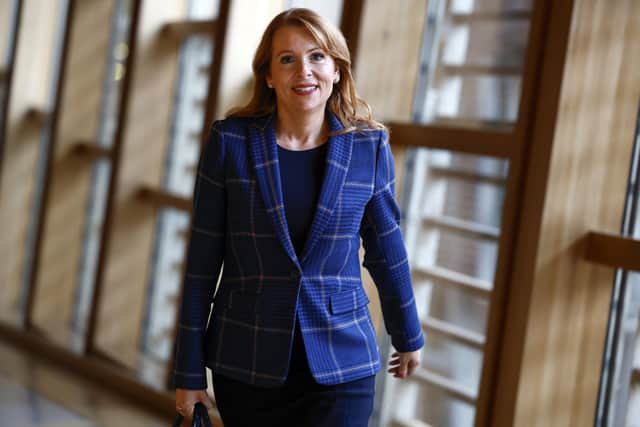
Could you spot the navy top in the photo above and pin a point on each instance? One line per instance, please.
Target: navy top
(301, 174)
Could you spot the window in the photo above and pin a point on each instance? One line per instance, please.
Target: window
(117, 53)
(469, 78)
(619, 399)
(190, 95)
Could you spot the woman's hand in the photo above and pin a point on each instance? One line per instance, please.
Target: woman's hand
(186, 400)
(404, 364)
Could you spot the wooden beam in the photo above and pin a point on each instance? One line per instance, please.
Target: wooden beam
(542, 70)
(475, 69)
(3, 74)
(350, 25)
(90, 150)
(453, 332)
(489, 142)
(409, 423)
(164, 199)
(117, 149)
(472, 176)
(37, 115)
(453, 278)
(477, 124)
(41, 116)
(186, 28)
(449, 386)
(11, 34)
(219, 37)
(515, 15)
(612, 250)
(457, 225)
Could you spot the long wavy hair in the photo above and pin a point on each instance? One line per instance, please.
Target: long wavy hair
(352, 111)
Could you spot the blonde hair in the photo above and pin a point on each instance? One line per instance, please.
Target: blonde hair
(353, 112)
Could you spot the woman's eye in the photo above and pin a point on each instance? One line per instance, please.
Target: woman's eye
(317, 56)
(286, 59)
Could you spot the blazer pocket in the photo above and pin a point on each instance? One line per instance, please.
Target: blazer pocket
(345, 301)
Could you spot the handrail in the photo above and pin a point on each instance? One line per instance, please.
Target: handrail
(473, 176)
(447, 385)
(475, 69)
(492, 141)
(612, 250)
(186, 28)
(90, 150)
(454, 278)
(482, 231)
(36, 115)
(453, 332)
(515, 15)
(162, 198)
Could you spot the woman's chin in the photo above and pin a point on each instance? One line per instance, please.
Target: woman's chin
(308, 108)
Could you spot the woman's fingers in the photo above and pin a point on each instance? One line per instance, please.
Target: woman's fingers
(404, 365)
(396, 373)
(402, 369)
(187, 399)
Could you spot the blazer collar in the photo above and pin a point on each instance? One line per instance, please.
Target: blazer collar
(264, 150)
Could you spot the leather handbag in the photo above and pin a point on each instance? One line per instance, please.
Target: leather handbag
(200, 417)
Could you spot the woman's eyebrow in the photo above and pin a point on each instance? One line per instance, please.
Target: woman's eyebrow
(289, 51)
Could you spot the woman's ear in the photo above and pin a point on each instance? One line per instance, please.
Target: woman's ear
(269, 81)
(336, 77)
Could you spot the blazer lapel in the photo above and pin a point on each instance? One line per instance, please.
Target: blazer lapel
(264, 151)
(336, 167)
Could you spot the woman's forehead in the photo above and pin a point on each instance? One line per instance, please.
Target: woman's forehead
(291, 37)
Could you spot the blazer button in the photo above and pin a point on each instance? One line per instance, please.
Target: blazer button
(295, 275)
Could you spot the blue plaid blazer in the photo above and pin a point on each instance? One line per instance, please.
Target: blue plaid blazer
(239, 220)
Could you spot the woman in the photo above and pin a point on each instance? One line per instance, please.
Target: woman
(286, 188)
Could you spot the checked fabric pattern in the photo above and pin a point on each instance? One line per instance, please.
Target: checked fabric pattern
(244, 330)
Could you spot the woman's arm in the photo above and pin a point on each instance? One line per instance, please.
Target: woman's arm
(204, 259)
(387, 262)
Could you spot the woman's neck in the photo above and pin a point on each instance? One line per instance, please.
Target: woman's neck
(302, 132)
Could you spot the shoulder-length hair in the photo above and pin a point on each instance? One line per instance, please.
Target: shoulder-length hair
(352, 111)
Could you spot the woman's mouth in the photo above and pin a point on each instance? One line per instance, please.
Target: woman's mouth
(304, 90)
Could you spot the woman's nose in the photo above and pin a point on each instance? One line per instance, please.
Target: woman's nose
(303, 68)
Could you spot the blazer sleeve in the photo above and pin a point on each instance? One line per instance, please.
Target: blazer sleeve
(386, 257)
(205, 255)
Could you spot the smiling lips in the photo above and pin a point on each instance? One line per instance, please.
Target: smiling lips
(304, 89)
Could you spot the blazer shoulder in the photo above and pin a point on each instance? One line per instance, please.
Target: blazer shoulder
(232, 128)
(371, 136)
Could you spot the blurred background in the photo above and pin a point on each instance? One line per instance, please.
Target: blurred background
(513, 126)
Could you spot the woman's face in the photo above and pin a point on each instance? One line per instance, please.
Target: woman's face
(301, 73)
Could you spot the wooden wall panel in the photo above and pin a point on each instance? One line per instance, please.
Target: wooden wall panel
(70, 184)
(586, 188)
(385, 77)
(30, 90)
(142, 160)
(389, 56)
(247, 20)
